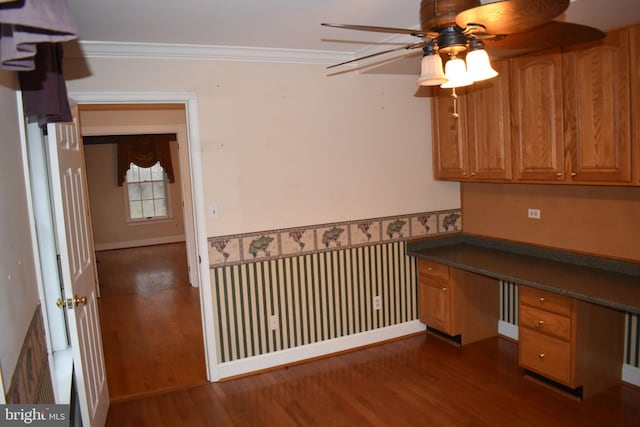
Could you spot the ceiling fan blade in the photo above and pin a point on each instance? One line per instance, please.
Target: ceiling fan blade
(416, 33)
(512, 16)
(407, 47)
(551, 34)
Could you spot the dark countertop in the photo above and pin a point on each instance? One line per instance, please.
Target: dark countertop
(602, 281)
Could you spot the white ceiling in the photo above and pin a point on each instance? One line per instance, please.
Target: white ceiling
(284, 24)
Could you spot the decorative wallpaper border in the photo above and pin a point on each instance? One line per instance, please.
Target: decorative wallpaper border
(274, 244)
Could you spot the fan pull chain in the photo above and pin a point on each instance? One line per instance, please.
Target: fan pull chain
(454, 97)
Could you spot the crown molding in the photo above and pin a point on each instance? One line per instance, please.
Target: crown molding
(100, 49)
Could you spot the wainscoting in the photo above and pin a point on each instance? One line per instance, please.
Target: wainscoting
(31, 380)
(312, 298)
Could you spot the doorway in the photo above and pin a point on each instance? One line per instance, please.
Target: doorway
(150, 304)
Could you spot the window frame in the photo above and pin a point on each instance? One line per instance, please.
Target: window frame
(148, 220)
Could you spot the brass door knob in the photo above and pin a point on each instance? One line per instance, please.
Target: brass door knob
(71, 302)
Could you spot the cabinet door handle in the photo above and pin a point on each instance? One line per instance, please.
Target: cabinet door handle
(541, 323)
(559, 174)
(573, 174)
(473, 174)
(430, 268)
(464, 174)
(541, 299)
(541, 356)
(444, 289)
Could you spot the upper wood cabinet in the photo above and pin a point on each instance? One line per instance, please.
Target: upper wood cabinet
(597, 105)
(569, 116)
(634, 48)
(536, 117)
(449, 136)
(475, 146)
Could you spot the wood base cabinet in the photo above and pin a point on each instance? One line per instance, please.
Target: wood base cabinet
(462, 305)
(573, 343)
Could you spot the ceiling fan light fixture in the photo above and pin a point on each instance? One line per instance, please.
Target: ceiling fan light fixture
(431, 68)
(478, 63)
(456, 73)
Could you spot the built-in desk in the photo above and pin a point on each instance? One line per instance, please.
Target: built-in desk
(571, 306)
(613, 284)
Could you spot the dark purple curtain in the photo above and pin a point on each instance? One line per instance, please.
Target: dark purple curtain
(44, 92)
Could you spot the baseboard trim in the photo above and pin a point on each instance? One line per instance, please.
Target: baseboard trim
(509, 330)
(311, 351)
(137, 243)
(631, 374)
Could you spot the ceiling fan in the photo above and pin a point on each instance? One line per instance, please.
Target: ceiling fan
(455, 27)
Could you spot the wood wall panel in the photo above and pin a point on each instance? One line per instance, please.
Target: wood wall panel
(596, 220)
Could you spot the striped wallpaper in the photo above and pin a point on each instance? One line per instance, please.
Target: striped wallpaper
(314, 297)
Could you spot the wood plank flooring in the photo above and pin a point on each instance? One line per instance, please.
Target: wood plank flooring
(418, 381)
(150, 321)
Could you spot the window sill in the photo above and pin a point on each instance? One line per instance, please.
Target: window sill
(152, 221)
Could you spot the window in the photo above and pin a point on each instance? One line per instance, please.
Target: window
(147, 192)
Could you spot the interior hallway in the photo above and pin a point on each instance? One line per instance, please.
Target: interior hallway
(150, 320)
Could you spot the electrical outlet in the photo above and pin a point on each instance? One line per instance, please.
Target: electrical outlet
(274, 323)
(533, 213)
(377, 302)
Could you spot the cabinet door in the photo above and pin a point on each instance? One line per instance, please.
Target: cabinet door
(597, 109)
(435, 304)
(536, 117)
(488, 127)
(449, 136)
(635, 101)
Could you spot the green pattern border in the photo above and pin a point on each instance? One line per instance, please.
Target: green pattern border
(275, 244)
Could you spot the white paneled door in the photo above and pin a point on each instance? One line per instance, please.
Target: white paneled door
(78, 268)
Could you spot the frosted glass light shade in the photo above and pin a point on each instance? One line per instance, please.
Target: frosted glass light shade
(479, 67)
(431, 71)
(456, 73)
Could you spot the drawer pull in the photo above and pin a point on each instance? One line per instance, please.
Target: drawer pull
(541, 356)
(430, 268)
(444, 289)
(541, 323)
(541, 299)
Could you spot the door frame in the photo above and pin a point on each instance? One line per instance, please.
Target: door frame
(197, 214)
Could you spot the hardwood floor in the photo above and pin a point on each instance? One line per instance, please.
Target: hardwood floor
(418, 381)
(150, 321)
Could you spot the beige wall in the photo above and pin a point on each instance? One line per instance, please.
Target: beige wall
(593, 220)
(108, 201)
(285, 145)
(18, 291)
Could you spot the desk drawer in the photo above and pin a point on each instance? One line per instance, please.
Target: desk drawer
(430, 268)
(545, 322)
(545, 355)
(545, 300)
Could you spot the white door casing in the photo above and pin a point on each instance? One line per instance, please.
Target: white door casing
(200, 249)
(78, 268)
